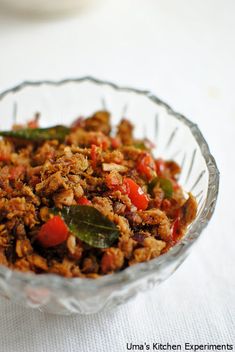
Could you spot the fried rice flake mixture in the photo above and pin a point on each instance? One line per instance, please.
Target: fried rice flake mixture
(83, 201)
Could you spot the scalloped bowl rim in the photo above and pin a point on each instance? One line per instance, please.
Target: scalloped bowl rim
(146, 268)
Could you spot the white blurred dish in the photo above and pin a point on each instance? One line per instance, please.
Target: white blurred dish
(46, 7)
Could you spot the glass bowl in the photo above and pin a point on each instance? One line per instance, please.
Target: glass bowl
(175, 136)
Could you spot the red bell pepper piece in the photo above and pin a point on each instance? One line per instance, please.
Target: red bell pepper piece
(146, 166)
(83, 201)
(160, 166)
(53, 232)
(135, 193)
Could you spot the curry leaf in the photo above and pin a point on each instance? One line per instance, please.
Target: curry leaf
(38, 134)
(164, 183)
(90, 226)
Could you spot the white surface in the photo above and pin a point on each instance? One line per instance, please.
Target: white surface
(184, 51)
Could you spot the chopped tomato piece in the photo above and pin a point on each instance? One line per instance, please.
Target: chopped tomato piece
(53, 232)
(146, 166)
(136, 194)
(160, 166)
(93, 155)
(83, 201)
(16, 172)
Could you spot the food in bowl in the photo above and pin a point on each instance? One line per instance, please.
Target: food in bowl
(82, 201)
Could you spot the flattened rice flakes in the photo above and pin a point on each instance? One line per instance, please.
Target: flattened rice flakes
(114, 173)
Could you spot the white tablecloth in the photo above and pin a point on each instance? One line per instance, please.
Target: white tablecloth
(184, 51)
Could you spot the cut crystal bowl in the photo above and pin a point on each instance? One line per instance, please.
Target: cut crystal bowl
(176, 137)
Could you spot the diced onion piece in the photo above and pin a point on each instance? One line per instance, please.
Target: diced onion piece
(114, 167)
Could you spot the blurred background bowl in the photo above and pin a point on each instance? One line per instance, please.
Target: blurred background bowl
(46, 7)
